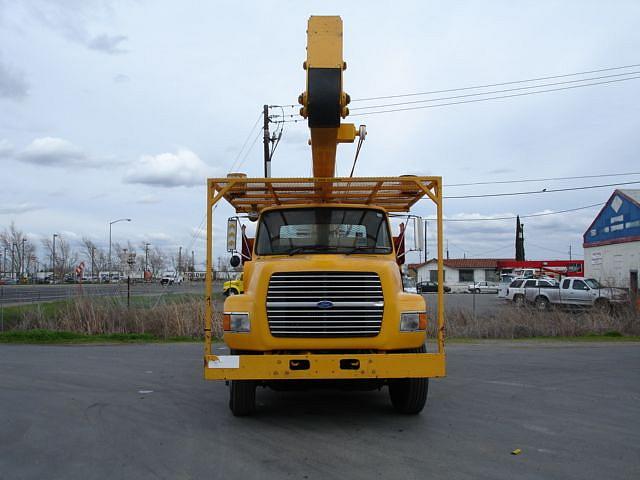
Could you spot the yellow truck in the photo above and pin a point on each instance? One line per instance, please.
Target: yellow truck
(234, 287)
(323, 302)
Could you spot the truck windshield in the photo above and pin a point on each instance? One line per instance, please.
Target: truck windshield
(323, 230)
(593, 283)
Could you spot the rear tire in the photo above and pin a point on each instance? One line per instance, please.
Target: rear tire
(242, 397)
(518, 300)
(602, 305)
(409, 395)
(542, 304)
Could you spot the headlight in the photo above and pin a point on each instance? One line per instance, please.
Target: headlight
(413, 321)
(236, 322)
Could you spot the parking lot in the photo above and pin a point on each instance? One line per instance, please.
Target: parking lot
(144, 411)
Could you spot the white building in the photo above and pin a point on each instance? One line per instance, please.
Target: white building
(612, 241)
(459, 273)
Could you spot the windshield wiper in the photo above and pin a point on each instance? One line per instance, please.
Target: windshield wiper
(313, 248)
(364, 248)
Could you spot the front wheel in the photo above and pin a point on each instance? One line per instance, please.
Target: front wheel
(518, 300)
(409, 395)
(242, 397)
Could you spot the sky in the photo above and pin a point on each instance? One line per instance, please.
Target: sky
(112, 109)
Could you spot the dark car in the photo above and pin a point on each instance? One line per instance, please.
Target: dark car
(425, 287)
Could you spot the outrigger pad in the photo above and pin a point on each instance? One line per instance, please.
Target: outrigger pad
(324, 90)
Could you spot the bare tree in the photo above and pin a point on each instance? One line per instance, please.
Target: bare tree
(157, 261)
(66, 258)
(95, 256)
(18, 250)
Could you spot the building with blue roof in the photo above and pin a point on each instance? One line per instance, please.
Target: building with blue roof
(612, 241)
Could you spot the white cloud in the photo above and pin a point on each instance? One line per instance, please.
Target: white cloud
(53, 152)
(107, 43)
(13, 86)
(148, 199)
(9, 209)
(6, 149)
(121, 78)
(183, 168)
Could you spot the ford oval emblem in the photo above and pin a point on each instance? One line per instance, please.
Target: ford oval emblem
(325, 304)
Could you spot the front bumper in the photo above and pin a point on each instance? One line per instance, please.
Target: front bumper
(324, 366)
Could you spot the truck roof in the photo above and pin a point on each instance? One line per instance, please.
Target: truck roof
(394, 194)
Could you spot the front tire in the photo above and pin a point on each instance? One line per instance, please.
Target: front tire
(242, 397)
(409, 395)
(518, 300)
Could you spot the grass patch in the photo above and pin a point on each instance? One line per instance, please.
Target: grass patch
(40, 336)
(579, 339)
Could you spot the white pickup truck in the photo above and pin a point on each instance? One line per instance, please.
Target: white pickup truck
(171, 278)
(576, 292)
(515, 291)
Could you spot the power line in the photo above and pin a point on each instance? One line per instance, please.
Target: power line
(476, 100)
(530, 180)
(490, 98)
(495, 84)
(545, 190)
(532, 215)
(550, 249)
(250, 148)
(245, 142)
(495, 91)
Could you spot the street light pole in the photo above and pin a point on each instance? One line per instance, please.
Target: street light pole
(14, 246)
(111, 223)
(53, 259)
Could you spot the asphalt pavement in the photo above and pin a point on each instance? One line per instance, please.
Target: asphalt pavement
(144, 411)
(24, 294)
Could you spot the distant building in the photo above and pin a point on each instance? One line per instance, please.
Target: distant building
(612, 241)
(460, 272)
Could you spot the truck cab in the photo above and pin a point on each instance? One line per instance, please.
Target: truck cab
(324, 278)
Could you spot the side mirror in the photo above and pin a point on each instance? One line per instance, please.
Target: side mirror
(234, 261)
(232, 234)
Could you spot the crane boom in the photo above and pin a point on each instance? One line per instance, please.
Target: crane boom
(324, 101)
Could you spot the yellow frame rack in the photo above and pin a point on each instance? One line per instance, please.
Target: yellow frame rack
(251, 196)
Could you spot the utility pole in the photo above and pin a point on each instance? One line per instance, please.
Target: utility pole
(146, 256)
(569, 251)
(179, 259)
(266, 140)
(13, 258)
(22, 262)
(193, 261)
(93, 262)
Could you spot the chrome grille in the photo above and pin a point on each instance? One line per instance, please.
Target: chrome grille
(356, 298)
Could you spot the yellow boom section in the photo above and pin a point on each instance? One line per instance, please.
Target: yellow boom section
(324, 102)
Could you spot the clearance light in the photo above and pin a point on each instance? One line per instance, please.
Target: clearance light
(413, 321)
(236, 322)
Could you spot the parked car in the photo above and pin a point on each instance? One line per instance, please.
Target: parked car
(234, 287)
(516, 290)
(171, 278)
(428, 287)
(484, 287)
(577, 292)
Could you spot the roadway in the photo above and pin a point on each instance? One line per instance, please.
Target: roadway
(144, 411)
(24, 294)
